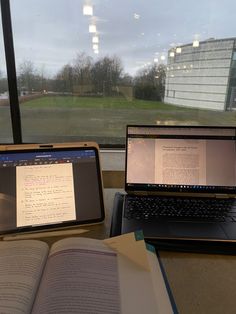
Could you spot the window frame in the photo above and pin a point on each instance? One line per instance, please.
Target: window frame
(11, 71)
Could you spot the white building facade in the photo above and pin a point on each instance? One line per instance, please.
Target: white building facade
(202, 75)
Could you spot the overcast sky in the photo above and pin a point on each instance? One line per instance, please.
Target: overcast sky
(51, 32)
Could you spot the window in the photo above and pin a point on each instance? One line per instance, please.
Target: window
(5, 118)
(84, 73)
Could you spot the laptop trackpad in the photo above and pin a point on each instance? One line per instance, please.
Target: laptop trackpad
(196, 230)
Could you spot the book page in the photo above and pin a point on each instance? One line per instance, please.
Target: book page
(142, 286)
(81, 275)
(45, 194)
(21, 266)
(163, 301)
(180, 161)
(86, 276)
(138, 293)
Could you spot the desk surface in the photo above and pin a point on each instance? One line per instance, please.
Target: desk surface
(200, 283)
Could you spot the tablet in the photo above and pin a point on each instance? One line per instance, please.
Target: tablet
(49, 186)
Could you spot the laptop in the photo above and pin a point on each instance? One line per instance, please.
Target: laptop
(180, 183)
(49, 187)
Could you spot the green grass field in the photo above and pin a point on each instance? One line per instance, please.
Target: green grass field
(96, 103)
(63, 118)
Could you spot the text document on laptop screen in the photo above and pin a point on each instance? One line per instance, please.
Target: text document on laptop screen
(181, 158)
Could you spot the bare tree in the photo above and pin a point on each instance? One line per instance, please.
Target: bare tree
(64, 79)
(106, 74)
(3, 83)
(27, 76)
(150, 82)
(84, 76)
(82, 66)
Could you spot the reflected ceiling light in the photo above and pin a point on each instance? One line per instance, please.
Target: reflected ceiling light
(96, 51)
(178, 50)
(156, 76)
(163, 58)
(87, 9)
(95, 46)
(172, 54)
(196, 43)
(95, 40)
(156, 60)
(136, 16)
(92, 28)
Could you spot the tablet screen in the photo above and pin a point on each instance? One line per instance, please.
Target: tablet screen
(49, 188)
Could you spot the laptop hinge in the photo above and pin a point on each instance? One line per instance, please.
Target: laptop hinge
(222, 196)
(142, 193)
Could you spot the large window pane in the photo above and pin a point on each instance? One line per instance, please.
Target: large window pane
(5, 119)
(87, 68)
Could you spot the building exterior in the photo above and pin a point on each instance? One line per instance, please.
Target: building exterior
(202, 75)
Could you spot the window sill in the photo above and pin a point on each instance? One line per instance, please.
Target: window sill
(113, 168)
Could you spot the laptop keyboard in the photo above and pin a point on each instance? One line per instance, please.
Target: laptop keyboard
(210, 209)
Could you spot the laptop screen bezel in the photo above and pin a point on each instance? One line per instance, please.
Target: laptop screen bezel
(141, 188)
(59, 148)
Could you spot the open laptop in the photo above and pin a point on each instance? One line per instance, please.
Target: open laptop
(180, 182)
(49, 186)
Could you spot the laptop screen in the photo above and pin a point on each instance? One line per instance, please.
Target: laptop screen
(181, 158)
(49, 187)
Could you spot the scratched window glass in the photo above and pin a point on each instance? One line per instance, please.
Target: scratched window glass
(86, 68)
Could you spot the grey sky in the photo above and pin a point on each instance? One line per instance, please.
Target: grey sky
(51, 32)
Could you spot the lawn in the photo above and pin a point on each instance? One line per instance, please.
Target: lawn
(96, 102)
(64, 118)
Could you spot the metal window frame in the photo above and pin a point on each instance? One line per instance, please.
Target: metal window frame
(11, 71)
(12, 78)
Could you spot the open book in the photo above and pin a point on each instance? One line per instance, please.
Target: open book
(78, 275)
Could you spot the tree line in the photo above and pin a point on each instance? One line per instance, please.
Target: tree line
(84, 76)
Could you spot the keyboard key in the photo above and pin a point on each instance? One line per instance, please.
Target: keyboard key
(149, 207)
